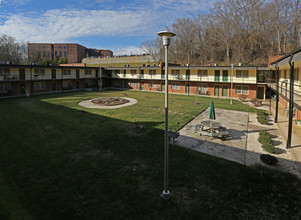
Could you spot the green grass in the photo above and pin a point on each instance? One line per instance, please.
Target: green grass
(61, 161)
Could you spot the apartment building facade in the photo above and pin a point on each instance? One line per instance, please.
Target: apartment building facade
(73, 52)
(223, 81)
(21, 80)
(283, 67)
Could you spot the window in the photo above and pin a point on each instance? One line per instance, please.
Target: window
(134, 84)
(5, 87)
(60, 47)
(55, 53)
(43, 47)
(203, 73)
(152, 72)
(152, 85)
(39, 85)
(61, 54)
(242, 73)
(39, 72)
(202, 87)
(88, 83)
(296, 74)
(88, 72)
(175, 86)
(242, 90)
(67, 84)
(4, 72)
(175, 72)
(44, 53)
(65, 47)
(133, 72)
(66, 72)
(65, 53)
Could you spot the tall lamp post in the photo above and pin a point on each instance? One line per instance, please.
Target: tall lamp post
(231, 83)
(166, 35)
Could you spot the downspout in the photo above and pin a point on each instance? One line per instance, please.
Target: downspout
(277, 93)
(291, 103)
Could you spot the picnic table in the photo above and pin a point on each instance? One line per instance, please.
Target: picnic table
(212, 128)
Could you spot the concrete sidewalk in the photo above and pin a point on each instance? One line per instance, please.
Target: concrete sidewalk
(283, 128)
(242, 146)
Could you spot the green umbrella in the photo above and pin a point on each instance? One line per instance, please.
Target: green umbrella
(211, 111)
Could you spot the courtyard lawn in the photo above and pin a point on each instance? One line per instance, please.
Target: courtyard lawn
(62, 161)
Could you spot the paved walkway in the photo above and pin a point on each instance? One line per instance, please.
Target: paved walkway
(242, 147)
(283, 128)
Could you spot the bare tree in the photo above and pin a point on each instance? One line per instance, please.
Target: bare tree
(186, 31)
(153, 47)
(13, 51)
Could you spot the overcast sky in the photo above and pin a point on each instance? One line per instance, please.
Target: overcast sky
(118, 25)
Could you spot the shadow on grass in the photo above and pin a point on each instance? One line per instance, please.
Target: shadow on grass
(63, 163)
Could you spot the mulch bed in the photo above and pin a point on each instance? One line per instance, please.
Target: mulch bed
(111, 101)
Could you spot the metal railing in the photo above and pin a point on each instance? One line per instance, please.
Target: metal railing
(284, 90)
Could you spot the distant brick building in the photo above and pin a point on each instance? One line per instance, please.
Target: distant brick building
(74, 52)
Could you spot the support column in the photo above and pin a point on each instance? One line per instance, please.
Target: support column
(277, 93)
(291, 104)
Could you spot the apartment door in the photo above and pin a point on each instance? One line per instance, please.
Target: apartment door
(260, 92)
(216, 90)
(77, 85)
(225, 75)
(142, 74)
(22, 74)
(162, 87)
(225, 90)
(187, 74)
(216, 75)
(187, 89)
(22, 89)
(53, 85)
(53, 73)
(142, 85)
(162, 74)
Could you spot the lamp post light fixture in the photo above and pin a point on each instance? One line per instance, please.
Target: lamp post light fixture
(166, 35)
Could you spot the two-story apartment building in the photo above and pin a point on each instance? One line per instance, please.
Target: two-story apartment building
(18, 80)
(283, 68)
(197, 80)
(218, 81)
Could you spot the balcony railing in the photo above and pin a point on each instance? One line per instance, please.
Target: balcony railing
(284, 90)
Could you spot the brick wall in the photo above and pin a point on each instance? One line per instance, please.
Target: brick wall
(38, 51)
